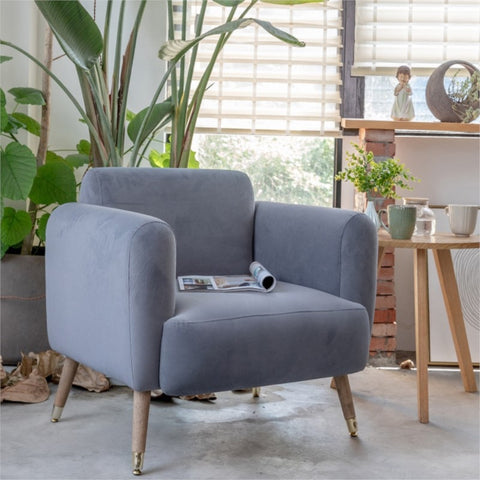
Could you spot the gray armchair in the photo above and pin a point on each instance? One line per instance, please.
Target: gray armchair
(113, 302)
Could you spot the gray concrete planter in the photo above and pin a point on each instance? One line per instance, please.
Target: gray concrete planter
(23, 312)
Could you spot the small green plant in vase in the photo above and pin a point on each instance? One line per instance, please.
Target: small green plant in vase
(375, 179)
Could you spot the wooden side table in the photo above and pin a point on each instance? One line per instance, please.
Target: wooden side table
(440, 244)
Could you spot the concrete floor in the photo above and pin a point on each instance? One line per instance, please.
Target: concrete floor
(293, 431)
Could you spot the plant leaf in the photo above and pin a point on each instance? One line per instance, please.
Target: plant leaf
(84, 147)
(42, 227)
(76, 160)
(16, 225)
(12, 125)
(29, 123)
(27, 95)
(4, 58)
(3, 111)
(54, 183)
(173, 50)
(159, 113)
(76, 31)
(18, 167)
(159, 160)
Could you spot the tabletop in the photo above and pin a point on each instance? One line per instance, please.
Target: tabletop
(439, 241)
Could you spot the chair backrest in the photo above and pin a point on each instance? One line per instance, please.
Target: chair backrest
(210, 211)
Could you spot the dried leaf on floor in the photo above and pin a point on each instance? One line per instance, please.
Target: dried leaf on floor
(27, 383)
(30, 389)
(407, 364)
(91, 380)
(200, 396)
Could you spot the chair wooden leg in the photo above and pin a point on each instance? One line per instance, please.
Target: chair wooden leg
(256, 392)
(346, 400)
(66, 379)
(141, 407)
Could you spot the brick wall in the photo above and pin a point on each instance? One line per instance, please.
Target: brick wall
(384, 342)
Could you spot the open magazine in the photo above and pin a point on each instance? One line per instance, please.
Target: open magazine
(260, 280)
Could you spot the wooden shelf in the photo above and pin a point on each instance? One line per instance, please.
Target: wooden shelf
(356, 123)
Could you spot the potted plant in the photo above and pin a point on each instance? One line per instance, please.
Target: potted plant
(105, 105)
(31, 186)
(374, 179)
(465, 96)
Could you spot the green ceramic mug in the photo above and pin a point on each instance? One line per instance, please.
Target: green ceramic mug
(401, 220)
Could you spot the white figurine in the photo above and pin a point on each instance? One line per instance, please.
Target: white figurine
(402, 108)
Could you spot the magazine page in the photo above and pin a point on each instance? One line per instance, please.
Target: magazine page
(196, 282)
(260, 280)
(236, 282)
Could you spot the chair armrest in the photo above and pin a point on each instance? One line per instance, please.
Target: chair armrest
(110, 286)
(329, 249)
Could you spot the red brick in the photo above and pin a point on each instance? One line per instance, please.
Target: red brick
(385, 316)
(381, 149)
(385, 288)
(388, 260)
(375, 135)
(383, 344)
(385, 301)
(384, 329)
(386, 273)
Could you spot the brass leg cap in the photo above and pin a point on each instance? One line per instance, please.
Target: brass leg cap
(137, 460)
(256, 392)
(56, 414)
(352, 427)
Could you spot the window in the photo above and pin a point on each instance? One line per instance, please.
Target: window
(419, 33)
(261, 85)
(290, 169)
(272, 110)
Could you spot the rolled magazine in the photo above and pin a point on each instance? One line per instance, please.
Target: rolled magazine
(260, 280)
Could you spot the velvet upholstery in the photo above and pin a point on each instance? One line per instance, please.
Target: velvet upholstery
(113, 303)
(211, 215)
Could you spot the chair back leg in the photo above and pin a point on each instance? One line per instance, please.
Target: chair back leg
(346, 400)
(66, 379)
(141, 408)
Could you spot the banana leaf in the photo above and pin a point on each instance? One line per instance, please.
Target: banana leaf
(75, 30)
(173, 50)
(157, 115)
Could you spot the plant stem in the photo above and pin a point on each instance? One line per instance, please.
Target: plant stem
(125, 78)
(27, 243)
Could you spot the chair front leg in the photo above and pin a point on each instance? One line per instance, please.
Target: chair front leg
(346, 401)
(141, 407)
(66, 379)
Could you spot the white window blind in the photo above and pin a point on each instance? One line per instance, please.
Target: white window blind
(419, 33)
(261, 85)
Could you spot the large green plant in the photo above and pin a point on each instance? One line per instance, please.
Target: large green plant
(26, 177)
(104, 107)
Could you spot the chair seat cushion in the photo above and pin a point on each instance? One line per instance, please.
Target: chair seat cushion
(220, 341)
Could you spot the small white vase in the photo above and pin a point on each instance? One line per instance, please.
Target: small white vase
(371, 213)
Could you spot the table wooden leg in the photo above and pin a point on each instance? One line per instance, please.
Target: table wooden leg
(451, 297)
(421, 331)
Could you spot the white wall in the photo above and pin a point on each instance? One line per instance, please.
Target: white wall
(449, 169)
